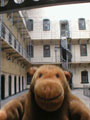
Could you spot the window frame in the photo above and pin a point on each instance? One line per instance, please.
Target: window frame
(31, 22)
(44, 54)
(46, 21)
(81, 53)
(82, 77)
(79, 24)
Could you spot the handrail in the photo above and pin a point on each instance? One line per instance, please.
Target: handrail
(11, 42)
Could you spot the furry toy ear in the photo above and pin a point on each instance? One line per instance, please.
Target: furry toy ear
(68, 75)
(32, 70)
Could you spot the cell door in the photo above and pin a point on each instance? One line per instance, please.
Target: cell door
(2, 87)
(22, 83)
(15, 86)
(19, 84)
(9, 85)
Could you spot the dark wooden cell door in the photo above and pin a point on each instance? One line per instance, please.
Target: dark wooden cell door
(22, 83)
(9, 85)
(19, 84)
(15, 86)
(2, 87)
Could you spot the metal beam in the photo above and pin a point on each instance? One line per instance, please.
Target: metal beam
(17, 57)
(11, 53)
(5, 48)
(29, 4)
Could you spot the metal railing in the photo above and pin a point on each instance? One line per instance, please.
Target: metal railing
(86, 90)
(10, 39)
(50, 60)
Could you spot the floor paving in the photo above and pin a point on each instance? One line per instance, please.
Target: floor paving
(77, 92)
(85, 99)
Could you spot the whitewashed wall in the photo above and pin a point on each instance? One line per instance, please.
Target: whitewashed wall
(76, 70)
(39, 14)
(76, 57)
(39, 56)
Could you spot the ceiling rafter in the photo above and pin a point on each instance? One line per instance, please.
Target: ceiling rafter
(29, 4)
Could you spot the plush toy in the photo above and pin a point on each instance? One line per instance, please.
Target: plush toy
(49, 98)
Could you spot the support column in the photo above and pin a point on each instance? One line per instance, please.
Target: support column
(17, 83)
(6, 85)
(21, 82)
(24, 82)
(12, 84)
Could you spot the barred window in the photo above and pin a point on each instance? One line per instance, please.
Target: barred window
(46, 25)
(29, 24)
(83, 49)
(46, 50)
(84, 77)
(82, 24)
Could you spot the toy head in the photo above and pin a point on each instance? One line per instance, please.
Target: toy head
(49, 84)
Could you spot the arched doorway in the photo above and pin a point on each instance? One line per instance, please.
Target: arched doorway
(22, 83)
(19, 84)
(9, 85)
(2, 87)
(15, 86)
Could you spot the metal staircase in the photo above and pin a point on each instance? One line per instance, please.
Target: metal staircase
(65, 45)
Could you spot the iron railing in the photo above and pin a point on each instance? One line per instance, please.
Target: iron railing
(10, 39)
(86, 90)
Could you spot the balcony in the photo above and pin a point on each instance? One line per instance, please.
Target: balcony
(11, 44)
(79, 60)
(48, 60)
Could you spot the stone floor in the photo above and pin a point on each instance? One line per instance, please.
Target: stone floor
(77, 92)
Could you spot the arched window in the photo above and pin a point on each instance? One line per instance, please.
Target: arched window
(29, 24)
(84, 77)
(46, 50)
(46, 25)
(83, 49)
(82, 25)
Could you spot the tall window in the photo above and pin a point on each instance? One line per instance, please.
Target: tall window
(30, 25)
(64, 26)
(83, 49)
(46, 50)
(84, 77)
(46, 25)
(30, 50)
(82, 25)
